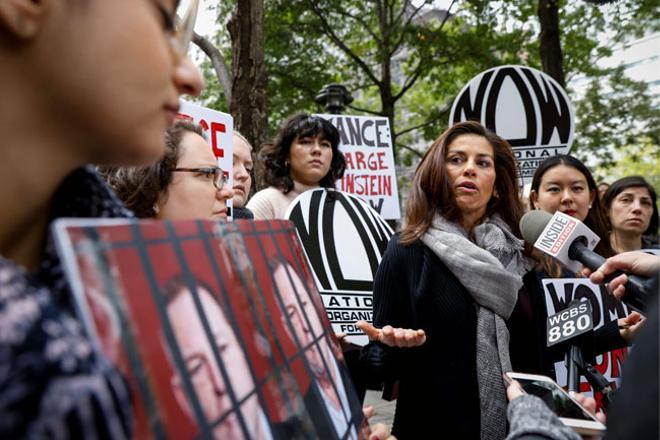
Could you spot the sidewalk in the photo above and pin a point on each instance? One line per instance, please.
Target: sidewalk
(384, 409)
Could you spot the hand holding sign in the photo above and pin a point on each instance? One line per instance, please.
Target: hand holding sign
(394, 337)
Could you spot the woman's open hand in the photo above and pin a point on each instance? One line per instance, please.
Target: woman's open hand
(394, 337)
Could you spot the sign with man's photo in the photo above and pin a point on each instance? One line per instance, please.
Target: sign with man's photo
(218, 328)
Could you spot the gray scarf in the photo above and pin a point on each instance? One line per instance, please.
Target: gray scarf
(491, 269)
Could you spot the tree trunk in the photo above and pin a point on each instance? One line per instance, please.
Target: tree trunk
(248, 103)
(386, 96)
(219, 64)
(550, 47)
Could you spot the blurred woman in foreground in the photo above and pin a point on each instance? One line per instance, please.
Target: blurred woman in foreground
(62, 109)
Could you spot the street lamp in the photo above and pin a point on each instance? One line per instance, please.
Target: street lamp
(334, 98)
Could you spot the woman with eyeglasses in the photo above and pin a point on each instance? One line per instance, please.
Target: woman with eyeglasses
(185, 183)
(83, 82)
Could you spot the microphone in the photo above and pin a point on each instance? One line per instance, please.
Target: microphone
(569, 325)
(571, 242)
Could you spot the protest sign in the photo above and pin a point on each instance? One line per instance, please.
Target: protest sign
(344, 240)
(218, 328)
(559, 292)
(526, 107)
(366, 142)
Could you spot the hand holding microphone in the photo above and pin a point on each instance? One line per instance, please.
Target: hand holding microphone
(635, 262)
(571, 242)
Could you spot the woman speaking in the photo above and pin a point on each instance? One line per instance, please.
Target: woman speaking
(454, 272)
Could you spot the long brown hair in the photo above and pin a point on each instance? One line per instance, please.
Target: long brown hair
(432, 191)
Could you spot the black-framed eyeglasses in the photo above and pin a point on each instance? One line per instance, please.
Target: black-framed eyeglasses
(217, 173)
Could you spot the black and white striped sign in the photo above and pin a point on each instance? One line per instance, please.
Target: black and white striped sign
(344, 239)
(524, 106)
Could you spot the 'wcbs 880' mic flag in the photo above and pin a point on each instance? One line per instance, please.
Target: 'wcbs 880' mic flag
(571, 242)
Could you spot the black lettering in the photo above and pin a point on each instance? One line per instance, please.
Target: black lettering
(310, 237)
(464, 102)
(379, 141)
(354, 130)
(377, 204)
(367, 123)
(554, 114)
(583, 291)
(493, 97)
(558, 303)
(342, 130)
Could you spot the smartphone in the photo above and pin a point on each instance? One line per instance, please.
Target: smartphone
(571, 413)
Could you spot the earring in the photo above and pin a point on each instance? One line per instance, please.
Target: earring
(156, 209)
(589, 205)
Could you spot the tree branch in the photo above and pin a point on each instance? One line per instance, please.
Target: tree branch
(430, 121)
(410, 81)
(219, 63)
(411, 149)
(335, 38)
(371, 112)
(396, 45)
(400, 14)
(362, 22)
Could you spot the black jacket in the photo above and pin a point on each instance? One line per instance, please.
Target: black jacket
(438, 380)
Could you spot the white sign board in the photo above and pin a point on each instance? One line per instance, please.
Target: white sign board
(524, 106)
(366, 142)
(219, 129)
(344, 240)
(559, 292)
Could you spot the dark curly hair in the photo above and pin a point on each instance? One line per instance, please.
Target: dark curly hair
(139, 187)
(274, 155)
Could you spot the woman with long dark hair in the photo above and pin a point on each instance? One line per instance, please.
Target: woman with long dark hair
(632, 207)
(454, 271)
(561, 183)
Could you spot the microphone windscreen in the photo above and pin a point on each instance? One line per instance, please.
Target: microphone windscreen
(533, 223)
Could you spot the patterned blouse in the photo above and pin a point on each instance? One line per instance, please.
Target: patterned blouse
(52, 384)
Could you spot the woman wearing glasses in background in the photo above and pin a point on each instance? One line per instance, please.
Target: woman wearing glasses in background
(62, 109)
(185, 183)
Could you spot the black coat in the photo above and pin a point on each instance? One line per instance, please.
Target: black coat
(438, 389)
